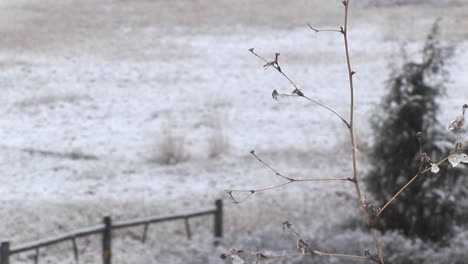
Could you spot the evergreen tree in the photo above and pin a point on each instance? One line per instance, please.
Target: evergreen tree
(427, 208)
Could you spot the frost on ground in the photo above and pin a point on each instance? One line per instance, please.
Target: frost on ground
(110, 80)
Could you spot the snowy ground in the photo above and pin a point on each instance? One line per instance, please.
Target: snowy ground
(111, 80)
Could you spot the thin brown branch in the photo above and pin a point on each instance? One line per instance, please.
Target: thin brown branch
(323, 179)
(261, 189)
(234, 200)
(297, 91)
(316, 30)
(464, 148)
(379, 258)
(261, 255)
(399, 192)
(292, 180)
(344, 31)
(268, 166)
(288, 179)
(328, 108)
(327, 254)
(303, 246)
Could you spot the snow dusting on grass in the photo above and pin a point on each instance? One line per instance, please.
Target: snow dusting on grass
(90, 89)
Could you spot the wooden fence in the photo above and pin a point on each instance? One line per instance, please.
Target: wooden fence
(105, 229)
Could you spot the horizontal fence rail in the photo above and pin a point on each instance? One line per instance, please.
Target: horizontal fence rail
(58, 239)
(105, 229)
(151, 220)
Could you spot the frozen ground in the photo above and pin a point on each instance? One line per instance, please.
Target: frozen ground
(110, 80)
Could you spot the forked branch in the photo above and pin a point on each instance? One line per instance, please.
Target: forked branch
(424, 171)
(303, 247)
(303, 244)
(351, 73)
(325, 29)
(289, 180)
(258, 255)
(275, 64)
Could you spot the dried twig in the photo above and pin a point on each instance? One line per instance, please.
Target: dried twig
(440, 162)
(302, 243)
(262, 256)
(322, 30)
(351, 73)
(289, 180)
(268, 166)
(275, 64)
(303, 246)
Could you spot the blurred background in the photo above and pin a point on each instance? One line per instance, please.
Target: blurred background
(150, 107)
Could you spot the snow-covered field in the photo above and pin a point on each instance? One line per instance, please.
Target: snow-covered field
(93, 89)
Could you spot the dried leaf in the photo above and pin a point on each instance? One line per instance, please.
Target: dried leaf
(425, 158)
(458, 146)
(419, 135)
(275, 95)
(457, 124)
(455, 159)
(434, 168)
(236, 251)
(298, 92)
(261, 256)
(286, 225)
(237, 260)
(372, 210)
(303, 246)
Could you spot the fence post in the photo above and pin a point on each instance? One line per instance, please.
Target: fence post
(36, 256)
(107, 241)
(218, 221)
(75, 250)
(5, 253)
(145, 232)
(187, 228)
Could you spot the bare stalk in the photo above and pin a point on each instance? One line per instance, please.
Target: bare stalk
(324, 30)
(260, 255)
(416, 176)
(351, 133)
(303, 247)
(268, 166)
(297, 91)
(355, 180)
(325, 254)
(289, 180)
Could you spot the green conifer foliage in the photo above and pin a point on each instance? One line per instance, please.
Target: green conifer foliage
(427, 208)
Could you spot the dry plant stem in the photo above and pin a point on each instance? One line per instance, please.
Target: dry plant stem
(325, 254)
(415, 177)
(353, 142)
(269, 63)
(268, 166)
(350, 126)
(314, 253)
(289, 181)
(252, 192)
(294, 179)
(323, 30)
(328, 108)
